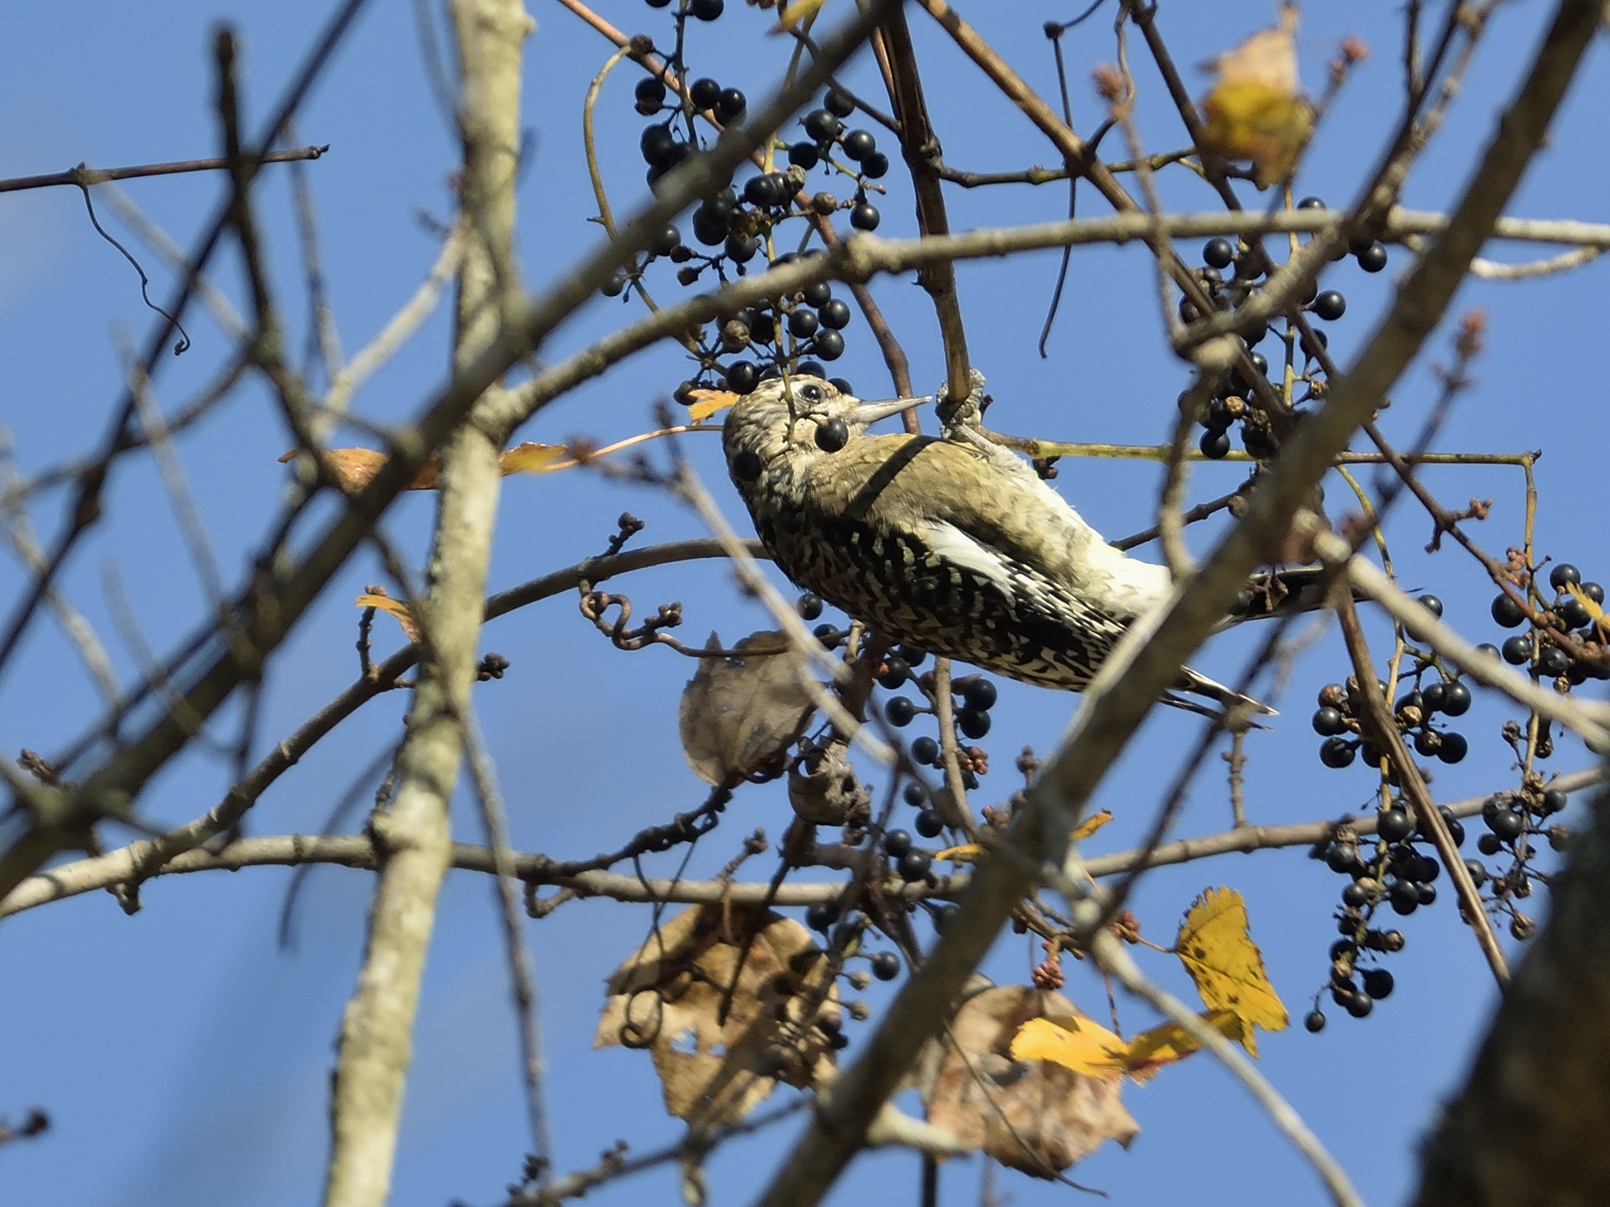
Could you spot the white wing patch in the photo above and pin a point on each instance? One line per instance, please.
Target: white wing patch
(954, 545)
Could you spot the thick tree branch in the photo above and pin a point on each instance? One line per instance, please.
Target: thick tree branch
(412, 836)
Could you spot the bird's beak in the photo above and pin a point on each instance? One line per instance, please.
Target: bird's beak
(871, 412)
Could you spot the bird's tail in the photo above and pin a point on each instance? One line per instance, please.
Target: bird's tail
(1226, 698)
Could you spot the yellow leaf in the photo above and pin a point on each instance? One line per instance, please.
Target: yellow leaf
(795, 12)
(1074, 1043)
(397, 608)
(1254, 110)
(1218, 952)
(1089, 1048)
(1593, 609)
(1090, 825)
(968, 853)
(1168, 1042)
(708, 402)
(533, 458)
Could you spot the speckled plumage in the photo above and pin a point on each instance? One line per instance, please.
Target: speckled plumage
(950, 546)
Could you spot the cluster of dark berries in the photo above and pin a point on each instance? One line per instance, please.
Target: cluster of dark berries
(788, 330)
(738, 224)
(1565, 643)
(1515, 822)
(1392, 872)
(1340, 707)
(974, 696)
(1230, 273)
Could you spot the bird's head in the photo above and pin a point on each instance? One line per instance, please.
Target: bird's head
(784, 424)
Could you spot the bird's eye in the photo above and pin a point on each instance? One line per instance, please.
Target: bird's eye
(811, 393)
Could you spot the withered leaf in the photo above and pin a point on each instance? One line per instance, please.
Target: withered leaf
(668, 997)
(403, 613)
(354, 468)
(739, 714)
(1033, 1115)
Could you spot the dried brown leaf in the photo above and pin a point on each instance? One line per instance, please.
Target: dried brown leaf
(668, 998)
(1034, 1115)
(739, 714)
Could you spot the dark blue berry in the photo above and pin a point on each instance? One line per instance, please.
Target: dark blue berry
(914, 865)
(1218, 253)
(895, 672)
(730, 105)
(1554, 801)
(822, 916)
(835, 314)
(1215, 445)
(858, 144)
(741, 248)
(1506, 824)
(973, 723)
(802, 324)
(1372, 258)
(829, 345)
(1455, 698)
(1337, 752)
(1563, 573)
(838, 103)
(1553, 662)
(914, 794)
(650, 95)
(925, 751)
(900, 712)
(865, 217)
(1314, 1022)
(809, 606)
(1359, 1005)
(1517, 650)
(929, 825)
(896, 843)
(658, 146)
(1404, 897)
(822, 125)
(1507, 612)
(704, 93)
(875, 166)
(1311, 203)
(980, 694)
(817, 294)
(1330, 305)
(742, 377)
(1328, 722)
(706, 10)
(1378, 983)
(1477, 870)
(804, 155)
(1394, 824)
(1431, 604)
(885, 965)
(1454, 748)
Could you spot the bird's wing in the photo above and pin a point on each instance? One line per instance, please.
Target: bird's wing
(987, 510)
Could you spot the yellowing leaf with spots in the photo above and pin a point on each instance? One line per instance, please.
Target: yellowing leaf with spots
(1217, 950)
(1089, 1048)
(1255, 110)
(707, 402)
(1164, 1044)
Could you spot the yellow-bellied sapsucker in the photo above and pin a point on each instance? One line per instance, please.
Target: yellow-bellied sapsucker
(952, 546)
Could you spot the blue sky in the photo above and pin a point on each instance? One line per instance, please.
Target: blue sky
(184, 1058)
